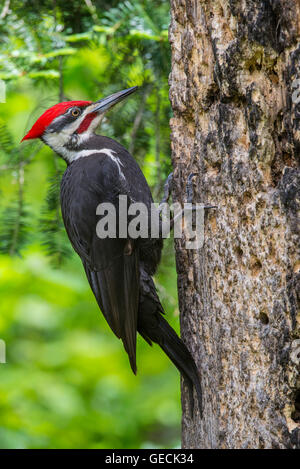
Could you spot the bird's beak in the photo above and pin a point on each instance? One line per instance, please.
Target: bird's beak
(106, 103)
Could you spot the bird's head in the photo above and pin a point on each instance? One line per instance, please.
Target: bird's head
(65, 126)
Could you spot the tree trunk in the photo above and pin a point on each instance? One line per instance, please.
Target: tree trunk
(235, 66)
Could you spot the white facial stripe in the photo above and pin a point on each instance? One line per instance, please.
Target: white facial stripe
(58, 141)
(70, 128)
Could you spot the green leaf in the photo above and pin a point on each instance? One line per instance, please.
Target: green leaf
(10, 75)
(144, 35)
(60, 52)
(103, 29)
(78, 37)
(44, 74)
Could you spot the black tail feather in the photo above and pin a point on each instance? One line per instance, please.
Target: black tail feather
(155, 328)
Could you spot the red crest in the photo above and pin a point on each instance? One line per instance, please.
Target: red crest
(45, 119)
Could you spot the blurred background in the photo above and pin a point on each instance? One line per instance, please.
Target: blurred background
(67, 382)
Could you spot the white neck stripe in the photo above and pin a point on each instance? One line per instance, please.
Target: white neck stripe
(75, 155)
(109, 152)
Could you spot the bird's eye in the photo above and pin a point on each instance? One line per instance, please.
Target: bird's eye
(75, 112)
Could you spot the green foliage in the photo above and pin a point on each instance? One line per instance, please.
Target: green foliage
(14, 229)
(53, 233)
(67, 382)
(7, 146)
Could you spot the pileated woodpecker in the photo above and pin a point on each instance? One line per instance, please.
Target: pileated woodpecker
(119, 270)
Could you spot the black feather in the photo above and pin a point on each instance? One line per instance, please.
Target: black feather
(117, 299)
(153, 327)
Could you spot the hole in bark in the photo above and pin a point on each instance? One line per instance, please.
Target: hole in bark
(264, 318)
(239, 253)
(296, 413)
(247, 197)
(255, 266)
(288, 159)
(260, 205)
(261, 443)
(274, 77)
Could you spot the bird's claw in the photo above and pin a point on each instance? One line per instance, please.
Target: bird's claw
(167, 189)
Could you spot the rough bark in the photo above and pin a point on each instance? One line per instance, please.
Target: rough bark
(234, 65)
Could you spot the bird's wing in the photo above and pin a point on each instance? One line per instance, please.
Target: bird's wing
(116, 288)
(111, 264)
